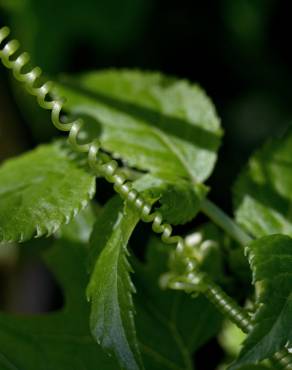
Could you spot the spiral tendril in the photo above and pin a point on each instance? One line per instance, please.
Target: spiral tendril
(107, 167)
(242, 319)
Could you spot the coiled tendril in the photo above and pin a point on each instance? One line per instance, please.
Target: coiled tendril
(103, 165)
(107, 167)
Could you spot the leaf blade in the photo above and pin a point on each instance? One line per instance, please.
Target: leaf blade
(152, 122)
(40, 191)
(262, 195)
(272, 328)
(179, 200)
(110, 288)
(60, 339)
(167, 331)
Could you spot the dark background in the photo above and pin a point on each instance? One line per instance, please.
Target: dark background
(239, 51)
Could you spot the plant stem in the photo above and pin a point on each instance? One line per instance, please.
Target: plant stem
(213, 292)
(224, 303)
(227, 306)
(221, 219)
(230, 309)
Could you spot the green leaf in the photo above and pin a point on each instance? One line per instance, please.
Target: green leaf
(207, 244)
(80, 227)
(171, 325)
(263, 197)
(270, 258)
(179, 200)
(39, 191)
(61, 339)
(231, 338)
(153, 122)
(110, 288)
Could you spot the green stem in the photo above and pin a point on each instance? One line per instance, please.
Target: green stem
(221, 219)
(224, 303)
(229, 308)
(212, 291)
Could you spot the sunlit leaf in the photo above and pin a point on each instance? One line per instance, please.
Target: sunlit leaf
(110, 288)
(270, 258)
(39, 191)
(179, 200)
(153, 122)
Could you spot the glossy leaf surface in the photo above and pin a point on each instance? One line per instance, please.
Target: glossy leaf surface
(179, 200)
(270, 258)
(153, 122)
(110, 288)
(39, 191)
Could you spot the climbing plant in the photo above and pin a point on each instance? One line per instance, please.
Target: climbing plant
(155, 139)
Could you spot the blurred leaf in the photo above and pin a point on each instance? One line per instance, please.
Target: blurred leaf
(209, 250)
(80, 227)
(270, 258)
(58, 340)
(68, 28)
(231, 338)
(77, 36)
(254, 367)
(33, 114)
(39, 191)
(179, 199)
(248, 367)
(247, 22)
(170, 325)
(263, 198)
(110, 288)
(12, 132)
(153, 122)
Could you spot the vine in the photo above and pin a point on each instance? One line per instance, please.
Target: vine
(102, 164)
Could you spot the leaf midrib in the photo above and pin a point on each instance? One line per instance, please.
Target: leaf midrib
(169, 144)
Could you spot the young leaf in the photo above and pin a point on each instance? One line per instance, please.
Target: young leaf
(270, 258)
(110, 288)
(171, 325)
(263, 198)
(39, 191)
(153, 122)
(58, 340)
(179, 199)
